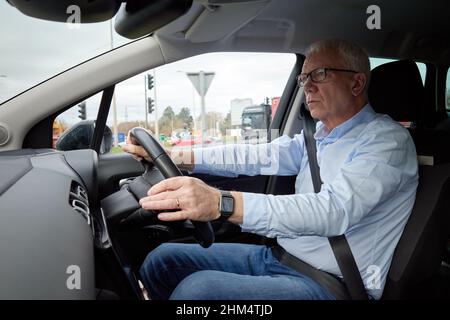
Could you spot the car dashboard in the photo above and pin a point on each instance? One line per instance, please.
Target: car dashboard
(47, 230)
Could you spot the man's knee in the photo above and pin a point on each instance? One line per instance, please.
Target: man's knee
(157, 259)
(198, 286)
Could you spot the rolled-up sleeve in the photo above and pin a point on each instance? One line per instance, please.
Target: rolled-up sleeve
(378, 167)
(280, 157)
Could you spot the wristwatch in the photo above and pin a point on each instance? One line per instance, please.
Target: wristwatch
(226, 205)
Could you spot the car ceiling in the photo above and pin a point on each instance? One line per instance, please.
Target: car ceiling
(409, 29)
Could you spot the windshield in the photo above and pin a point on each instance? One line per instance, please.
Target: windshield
(254, 121)
(33, 50)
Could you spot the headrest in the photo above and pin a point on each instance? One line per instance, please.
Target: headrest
(396, 89)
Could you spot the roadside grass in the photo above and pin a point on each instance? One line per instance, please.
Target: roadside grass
(116, 150)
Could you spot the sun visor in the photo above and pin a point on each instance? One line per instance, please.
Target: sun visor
(82, 11)
(140, 18)
(223, 17)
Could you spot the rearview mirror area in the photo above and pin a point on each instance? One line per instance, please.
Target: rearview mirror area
(83, 11)
(139, 18)
(79, 136)
(134, 19)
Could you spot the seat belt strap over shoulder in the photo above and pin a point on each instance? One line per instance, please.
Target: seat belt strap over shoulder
(339, 244)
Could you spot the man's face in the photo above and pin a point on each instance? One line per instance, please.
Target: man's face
(331, 100)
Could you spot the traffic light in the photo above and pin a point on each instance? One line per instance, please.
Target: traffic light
(82, 110)
(150, 105)
(149, 82)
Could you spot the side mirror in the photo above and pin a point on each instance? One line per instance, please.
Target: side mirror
(79, 136)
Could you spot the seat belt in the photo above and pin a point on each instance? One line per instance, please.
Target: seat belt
(339, 244)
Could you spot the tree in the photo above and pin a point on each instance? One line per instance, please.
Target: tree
(184, 116)
(226, 124)
(168, 112)
(211, 118)
(166, 122)
(124, 127)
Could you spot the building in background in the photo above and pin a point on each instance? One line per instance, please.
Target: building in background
(275, 102)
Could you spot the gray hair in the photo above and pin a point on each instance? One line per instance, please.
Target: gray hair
(352, 56)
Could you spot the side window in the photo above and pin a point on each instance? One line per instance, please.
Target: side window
(447, 91)
(207, 99)
(73, 128)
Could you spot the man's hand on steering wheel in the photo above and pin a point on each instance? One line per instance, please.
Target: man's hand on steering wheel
(141, 144)
(133, 148)
(190, 197)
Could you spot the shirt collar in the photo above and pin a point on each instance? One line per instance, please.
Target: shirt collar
(364, 115)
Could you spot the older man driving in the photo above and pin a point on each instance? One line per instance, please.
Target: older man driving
(369, 172)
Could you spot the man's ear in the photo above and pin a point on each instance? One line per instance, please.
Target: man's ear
(359, 83)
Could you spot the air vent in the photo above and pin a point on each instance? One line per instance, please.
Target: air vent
(78, 199)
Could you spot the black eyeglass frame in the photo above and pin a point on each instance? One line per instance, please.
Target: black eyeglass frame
(301, 82)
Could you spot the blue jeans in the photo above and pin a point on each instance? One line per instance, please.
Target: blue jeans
(225, 271)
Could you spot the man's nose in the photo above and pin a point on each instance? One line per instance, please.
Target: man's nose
(309, 85)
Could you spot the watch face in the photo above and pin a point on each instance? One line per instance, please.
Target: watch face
(227, 204)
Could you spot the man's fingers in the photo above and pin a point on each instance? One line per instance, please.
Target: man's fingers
(173, 216)
(166, 204)
(161, 196)
(134, 150)
(167, 184)
(136, 157)
(128, 148)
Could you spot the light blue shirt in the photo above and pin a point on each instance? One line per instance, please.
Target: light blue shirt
(369, 170)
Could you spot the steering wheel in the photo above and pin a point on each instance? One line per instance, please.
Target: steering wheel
(203, 231)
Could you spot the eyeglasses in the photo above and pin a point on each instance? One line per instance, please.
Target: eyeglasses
(318, 75)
